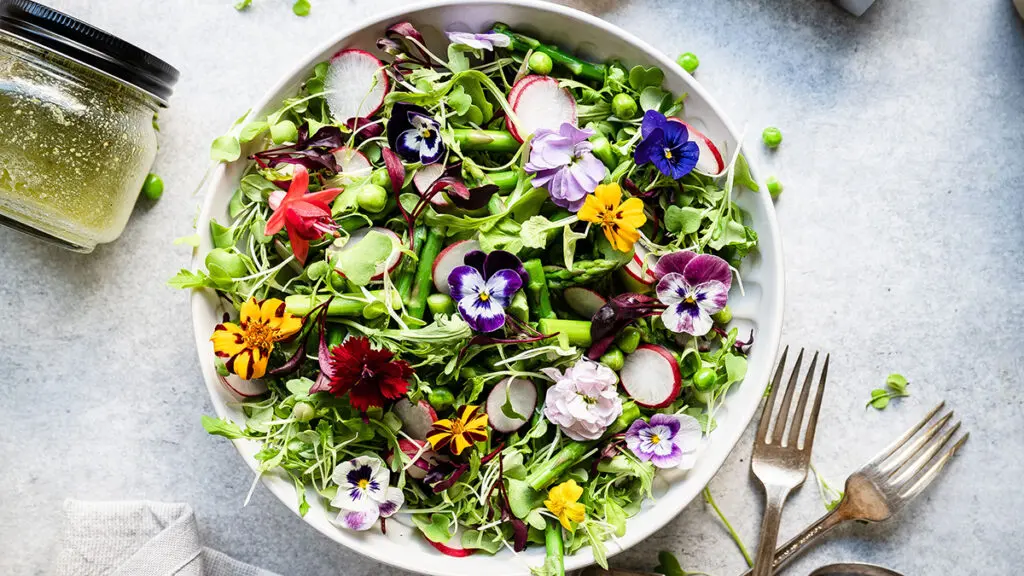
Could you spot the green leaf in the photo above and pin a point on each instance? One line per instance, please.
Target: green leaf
(222, 427)
(300, 493)
(615, 516)
(225, 149)
(897, 383)
(359, 266)
(735, 368)
(507, 408)
(252, 130)
(434, 527)
(683, 221)
(654, 98)
(536, 520)
(457, 59)
(522, 499)
(243, 4)
(459, 100)
(668, 565)
(223, 237)
(476, 92)
(188, 279)
(641, 77)
(535, 232)
(597, 547)
(879, 399)
(299, 386)
(731, 234)
(569, 239)
(741, 175)
(476, 540)
(301, 8)
(256, 187)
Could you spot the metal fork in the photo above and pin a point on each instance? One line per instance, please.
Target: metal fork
(780, 458)
(885, 485)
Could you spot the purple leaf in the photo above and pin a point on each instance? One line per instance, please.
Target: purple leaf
(613, 317)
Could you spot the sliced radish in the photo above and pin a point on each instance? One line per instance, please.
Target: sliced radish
(425, 461)
(541, 103)
(450, 258)
(635, 267)
(426, 176)
(416, 418)
(353, 244)
(710, 161)
(517, 89)
(355, 85)
(523, 395)
(453, 547)
(651, 376)
(583, 301)
(243, 388)
(353, 163)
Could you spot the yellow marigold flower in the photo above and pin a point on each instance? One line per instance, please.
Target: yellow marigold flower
(563, 503)
(467, 427)
(619, 220)
(246, 346)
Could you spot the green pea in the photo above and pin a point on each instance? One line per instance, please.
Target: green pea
(230, 262)
(380, 178)
(628, 340)
(723, 316)
(303, 412)
(689, 62)
(284, 131)
(613, 358)
(371, 198)
(338, 283)
(771, 137)
(540, 63)
(440, 304)
(623, 106)
(774, 186)
(318, 270)
(440, 398)
(153, 187)
(704, 379)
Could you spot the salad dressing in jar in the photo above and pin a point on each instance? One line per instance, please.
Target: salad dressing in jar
(77, 135)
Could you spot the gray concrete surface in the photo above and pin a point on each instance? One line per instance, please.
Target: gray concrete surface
(902, 220)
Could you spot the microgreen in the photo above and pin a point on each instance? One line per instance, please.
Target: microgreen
(895, 387)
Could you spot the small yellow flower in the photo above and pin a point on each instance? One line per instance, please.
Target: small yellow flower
(562, 501)
(619, 220)
(467, 427)
(246, 346)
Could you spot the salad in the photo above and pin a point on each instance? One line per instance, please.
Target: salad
(482, 292)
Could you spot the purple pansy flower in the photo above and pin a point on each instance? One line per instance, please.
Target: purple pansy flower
(363, 493)
(667, 441)
(414, 134)
(484, 287)
(563, 163)
(486, 41)
(693, 286)
(666, 144)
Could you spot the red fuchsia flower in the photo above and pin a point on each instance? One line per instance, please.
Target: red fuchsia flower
(371, 377)
(306, 216)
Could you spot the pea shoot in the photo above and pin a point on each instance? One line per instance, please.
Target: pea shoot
(895, 387)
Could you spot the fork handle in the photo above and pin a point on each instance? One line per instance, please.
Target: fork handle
(764, 560)
(790, 550)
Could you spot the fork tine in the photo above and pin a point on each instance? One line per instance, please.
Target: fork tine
(812, 421)
(766, 415)
(907, 453)
(801, 405)
(932, 472)
(882, 456)
(914, 466)
(787, 399)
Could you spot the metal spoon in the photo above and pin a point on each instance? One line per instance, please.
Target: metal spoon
(853, 569)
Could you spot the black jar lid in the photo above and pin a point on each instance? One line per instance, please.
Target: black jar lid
(90, 46)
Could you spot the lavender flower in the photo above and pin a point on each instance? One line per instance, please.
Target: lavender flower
(666, 144)
(484, 287)
(488, 41)
(583, 402)
(667, 441)
(414, 135)
(363, 493)
(563, 163)
(693, 286)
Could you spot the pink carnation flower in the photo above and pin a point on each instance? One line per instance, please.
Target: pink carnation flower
(583, 401)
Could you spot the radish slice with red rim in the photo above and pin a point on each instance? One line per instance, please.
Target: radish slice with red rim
(523, 396)
(651, 376)
(353, 163)
(448, 260)
(583, 301)
(416, 418)
(355, 84)
(635, 267)
(541, 103)
(710, 161)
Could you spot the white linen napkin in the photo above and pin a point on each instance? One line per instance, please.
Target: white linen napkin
(139, 539)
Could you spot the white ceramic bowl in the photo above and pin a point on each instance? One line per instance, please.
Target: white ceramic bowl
(760, 307)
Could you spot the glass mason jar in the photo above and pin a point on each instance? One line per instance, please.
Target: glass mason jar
(77, 125)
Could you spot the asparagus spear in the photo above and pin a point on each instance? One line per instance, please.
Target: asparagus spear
(343, 305)
(581, 68)
(424, 280)
(408, 272)
(486, 140)
(537, 289)
(554, 561)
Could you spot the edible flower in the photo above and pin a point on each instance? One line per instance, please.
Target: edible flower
(414, 134)
(619, 220)
(563, 163)
(246, 346)
(363, 492)
(666, 144)
(487, 41)
(667, 441)
(468, 427)
(483, 287)
(306, 216)
(583, 402)
(563, 502)
(693, 286)
(371, 377)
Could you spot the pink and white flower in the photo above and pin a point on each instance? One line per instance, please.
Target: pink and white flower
(667, 441)
(693, 286)
(363, 493)
(584, 401)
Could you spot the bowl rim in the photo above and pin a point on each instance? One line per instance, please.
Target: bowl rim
(769, 337)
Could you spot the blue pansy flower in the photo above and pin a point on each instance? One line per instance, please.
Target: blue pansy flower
(666, 144)
(414, 134)
(484, 287)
